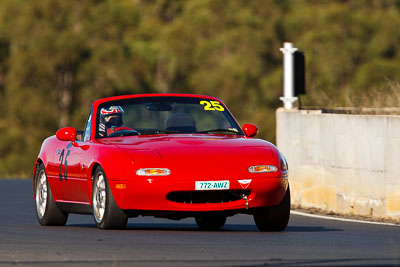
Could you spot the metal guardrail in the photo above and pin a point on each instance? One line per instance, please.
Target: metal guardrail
(355, 110)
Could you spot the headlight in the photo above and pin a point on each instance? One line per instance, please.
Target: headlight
(263, 168)
(153, 172)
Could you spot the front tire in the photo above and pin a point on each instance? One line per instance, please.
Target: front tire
(106, 212)
(275, 218)
(47, 211)
(211, 223)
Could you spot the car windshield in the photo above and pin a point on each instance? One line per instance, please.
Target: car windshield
(164, 115)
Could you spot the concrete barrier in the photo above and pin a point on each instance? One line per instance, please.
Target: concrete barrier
(347, 164)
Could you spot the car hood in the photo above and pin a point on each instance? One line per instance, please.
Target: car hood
(206, 156)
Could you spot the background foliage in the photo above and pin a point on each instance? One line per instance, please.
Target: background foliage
(57, 56)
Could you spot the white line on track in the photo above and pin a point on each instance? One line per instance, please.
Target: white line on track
(339, 219)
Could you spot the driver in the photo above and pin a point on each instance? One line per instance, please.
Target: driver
(110, 120)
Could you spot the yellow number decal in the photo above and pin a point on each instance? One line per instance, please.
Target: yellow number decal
(217, 105)
(212, 105)
(207, 105)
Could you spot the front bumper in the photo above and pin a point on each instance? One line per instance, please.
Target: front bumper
(153, 193)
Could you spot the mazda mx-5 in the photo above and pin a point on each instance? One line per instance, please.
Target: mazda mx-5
(164, 155)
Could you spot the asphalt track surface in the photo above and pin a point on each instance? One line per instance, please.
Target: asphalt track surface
(148, 241)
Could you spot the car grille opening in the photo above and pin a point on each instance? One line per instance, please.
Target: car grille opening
(212, 196)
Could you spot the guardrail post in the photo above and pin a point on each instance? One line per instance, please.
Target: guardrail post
(288, 75)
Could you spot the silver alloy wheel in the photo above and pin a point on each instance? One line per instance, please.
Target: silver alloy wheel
(41, 194)
(99, 197)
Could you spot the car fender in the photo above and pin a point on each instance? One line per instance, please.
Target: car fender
(47, 149)
(110, 159)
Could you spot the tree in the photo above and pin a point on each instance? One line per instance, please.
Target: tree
(57, 57)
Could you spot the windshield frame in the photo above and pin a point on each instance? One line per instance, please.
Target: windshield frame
(115, 101)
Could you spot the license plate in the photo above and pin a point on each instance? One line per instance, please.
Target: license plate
(212, 185)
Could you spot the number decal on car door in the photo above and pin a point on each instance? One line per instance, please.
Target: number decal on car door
(65, 174)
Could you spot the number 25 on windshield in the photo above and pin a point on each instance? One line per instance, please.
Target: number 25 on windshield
(212, 105)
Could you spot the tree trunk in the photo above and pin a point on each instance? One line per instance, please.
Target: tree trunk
(64, 85)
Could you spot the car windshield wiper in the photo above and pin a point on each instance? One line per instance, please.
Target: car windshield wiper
(221, 130)
(156, 131)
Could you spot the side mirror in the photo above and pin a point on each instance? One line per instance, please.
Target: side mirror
(66, 134)
(250, 129)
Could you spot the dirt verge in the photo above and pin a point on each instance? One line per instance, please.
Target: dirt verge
(346, 216)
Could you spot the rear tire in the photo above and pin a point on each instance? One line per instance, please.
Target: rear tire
(275, 218)
(47, 211)
(210, 222)
(106, 213)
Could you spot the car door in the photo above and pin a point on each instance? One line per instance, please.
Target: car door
(69, 173)
(71, 185)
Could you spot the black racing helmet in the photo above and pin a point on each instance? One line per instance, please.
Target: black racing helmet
(112, 116)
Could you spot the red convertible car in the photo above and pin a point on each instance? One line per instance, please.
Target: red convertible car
(164, 155)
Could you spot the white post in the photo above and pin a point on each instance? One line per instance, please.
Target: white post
(288, 75)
